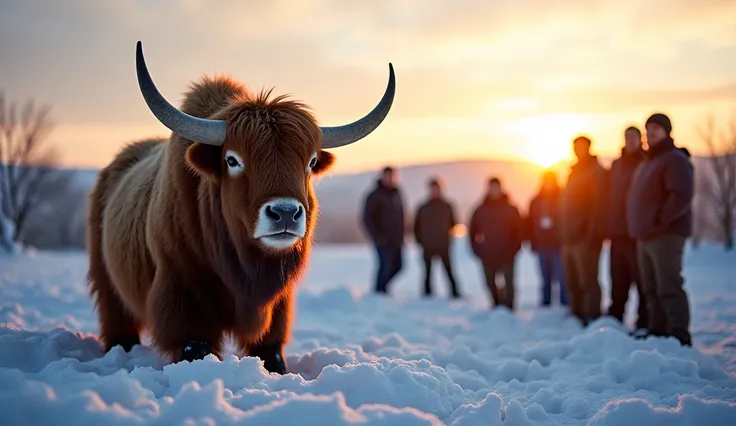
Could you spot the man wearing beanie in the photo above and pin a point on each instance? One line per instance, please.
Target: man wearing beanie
(659, 216)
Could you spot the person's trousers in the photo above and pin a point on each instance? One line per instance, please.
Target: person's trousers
(660, 266)
(550, 265)
(624, 268)
(581, 263)
(390, 262)
(444, 255)
(508, 279)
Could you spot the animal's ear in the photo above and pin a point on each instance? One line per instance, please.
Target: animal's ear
(325, 160)
(206, 159)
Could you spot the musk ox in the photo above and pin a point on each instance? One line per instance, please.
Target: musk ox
(206, 235)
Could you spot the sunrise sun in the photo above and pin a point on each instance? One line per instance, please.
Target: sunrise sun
(547, 139)
(544, 153)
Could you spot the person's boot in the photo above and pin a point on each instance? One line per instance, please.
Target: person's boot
(640, 333)
(641, 323)
(196, 349)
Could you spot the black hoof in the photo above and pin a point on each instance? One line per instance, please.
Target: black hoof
(272, 356)
(126, 344)
(196, 349)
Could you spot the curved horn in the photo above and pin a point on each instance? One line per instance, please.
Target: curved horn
(210, 132)
(334, 137)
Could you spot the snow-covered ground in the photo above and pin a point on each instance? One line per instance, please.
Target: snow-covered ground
(359, 359)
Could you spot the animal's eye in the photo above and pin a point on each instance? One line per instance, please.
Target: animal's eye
(234, 163)
(313, 163)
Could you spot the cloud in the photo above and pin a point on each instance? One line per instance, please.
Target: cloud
(453, 58)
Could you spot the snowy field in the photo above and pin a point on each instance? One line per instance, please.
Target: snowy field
(360, 359)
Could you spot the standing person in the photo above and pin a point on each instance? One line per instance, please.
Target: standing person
(495, 236)
(580, 211)
(383, 218)
(544, 236)
(624, 268)
(433, 224)
(659, 214)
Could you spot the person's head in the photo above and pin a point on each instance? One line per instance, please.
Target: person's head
(549, 181)
(435, 188)
(581, 146)
(659, 128)
(494, 188)
(389, 177)
(632, 139)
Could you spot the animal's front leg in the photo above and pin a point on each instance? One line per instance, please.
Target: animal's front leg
(270, 348)
(185, 324)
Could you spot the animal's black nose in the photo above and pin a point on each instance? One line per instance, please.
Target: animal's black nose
(285, 212)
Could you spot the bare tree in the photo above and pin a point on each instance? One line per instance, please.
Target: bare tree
(705, 225)
(26, 160)
(61, 221)
(720, 189)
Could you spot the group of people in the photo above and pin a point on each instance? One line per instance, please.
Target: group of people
(642, 204)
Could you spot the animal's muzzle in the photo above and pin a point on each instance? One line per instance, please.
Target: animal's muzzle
(285, 215)
(282, 217)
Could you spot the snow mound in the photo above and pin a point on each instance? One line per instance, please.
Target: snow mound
(358, 359)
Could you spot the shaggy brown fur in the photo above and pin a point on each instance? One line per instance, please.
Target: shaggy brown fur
(170, 232)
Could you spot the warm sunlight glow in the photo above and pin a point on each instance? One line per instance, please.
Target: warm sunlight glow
(547, 139)
(458, 231)
(545, 154)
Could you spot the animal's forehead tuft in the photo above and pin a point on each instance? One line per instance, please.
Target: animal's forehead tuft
(265, 120)
(211, 94)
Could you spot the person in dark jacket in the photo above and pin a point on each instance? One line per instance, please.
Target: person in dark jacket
(659, 215)
(433, 224)
(495, 236)
(580, 213)
(624, 268)
(384, 221)
(544, 237)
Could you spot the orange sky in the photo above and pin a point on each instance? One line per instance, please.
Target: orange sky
(505, 79)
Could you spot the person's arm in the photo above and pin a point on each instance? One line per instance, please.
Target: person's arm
(370, 211)
(473, 233)
(597, 210)
(679, 184)
(517, 230)
(530, 221)
(418, 225)
(405, 221)
(453, 221)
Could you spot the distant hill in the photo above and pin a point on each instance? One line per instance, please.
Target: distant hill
(341, 196)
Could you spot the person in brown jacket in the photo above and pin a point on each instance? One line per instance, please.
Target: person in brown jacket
(580, 213)
(543, 233)
(495, 236)
(433, 224)
(659, 215)
(624, 268)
